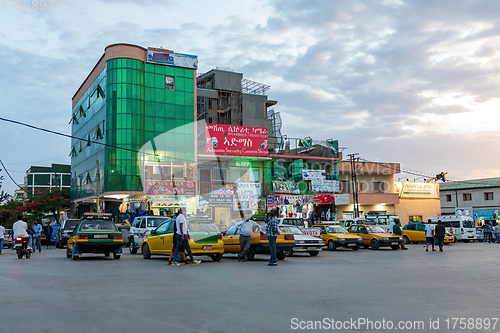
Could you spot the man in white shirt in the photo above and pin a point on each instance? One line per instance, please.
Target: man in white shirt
(182, 240)
(20, 229)
(246, 227)
(429, 236)
(2, 235)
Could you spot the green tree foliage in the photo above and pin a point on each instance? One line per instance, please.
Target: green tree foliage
(48, 202)
(9, 212)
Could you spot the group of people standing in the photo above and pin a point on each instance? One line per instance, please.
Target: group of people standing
(438, 231)
(490, 229)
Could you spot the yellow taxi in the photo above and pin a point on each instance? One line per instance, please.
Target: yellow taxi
(204, 239)
(95, 233)
(375, 236)
(415, 232)
(259, 243)
(335, 236)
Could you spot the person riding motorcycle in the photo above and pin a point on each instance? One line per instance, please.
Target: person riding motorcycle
(20, 229)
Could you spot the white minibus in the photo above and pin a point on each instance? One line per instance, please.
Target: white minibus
(463, 226)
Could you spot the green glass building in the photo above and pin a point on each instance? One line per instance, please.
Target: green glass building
(133, 120)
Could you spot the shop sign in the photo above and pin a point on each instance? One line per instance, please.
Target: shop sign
(283, 200)
(213, 164)
(236, 140)
(308, 174)
(321, 185)
(249, 189)
(169, 187)
(341, 199)
(221, 195)
(246, 202)
(168, 57)
(285, 187)
(271, 202)
(167, 200)
(466, 211)
(223, 189)
(243, 164)
(417, 190)
(324, 199)
(486, 214)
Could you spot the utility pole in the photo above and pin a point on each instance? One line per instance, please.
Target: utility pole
(354, 182)
(97, 179)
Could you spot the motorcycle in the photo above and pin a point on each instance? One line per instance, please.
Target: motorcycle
(22, 249)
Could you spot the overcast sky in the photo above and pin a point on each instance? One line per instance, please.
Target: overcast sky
(415, 82)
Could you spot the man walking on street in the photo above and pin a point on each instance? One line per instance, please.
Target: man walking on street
(271, 233)
(48, 234)
(37, 236)
(396, 230)
(182, 240)
(246, 227)
(440, 233)
(429, 236)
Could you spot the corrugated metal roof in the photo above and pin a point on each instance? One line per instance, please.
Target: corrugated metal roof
(470, 184)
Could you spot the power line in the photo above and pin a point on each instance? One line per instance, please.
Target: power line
(9, 175)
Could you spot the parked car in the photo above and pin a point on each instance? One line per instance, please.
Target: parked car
(375, 236)
(299, 223)
(65, 231)
(141, 227)
(303, 242)
(259, 243)
(95, 235)
(415, 232)
(7, 240)
(204, 239)
(336, 236)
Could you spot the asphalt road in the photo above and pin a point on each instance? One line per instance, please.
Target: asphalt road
(423, 291)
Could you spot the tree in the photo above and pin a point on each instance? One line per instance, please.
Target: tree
(3, 196)
(9, 212)
(48, 201)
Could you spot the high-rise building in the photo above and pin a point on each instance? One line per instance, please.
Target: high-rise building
(121, 116)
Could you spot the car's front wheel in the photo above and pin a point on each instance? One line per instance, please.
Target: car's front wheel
(355, 248)
(394, 247)
(313, 253)
(331, 245)
(132, 247)
(216, 256)
(146, 253)
(68, 253)
(116, 256)
(406, 240)
(374, 244)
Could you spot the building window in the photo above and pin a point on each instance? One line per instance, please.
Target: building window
(467, 196)
(448, 198)
(415, 218)
(169, 82)
(361, 187)
(488, 195)
(378, 187)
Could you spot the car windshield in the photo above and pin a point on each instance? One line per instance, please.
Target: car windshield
(202, 226)
(375, 229)
(71, 224)
(156, 221)
(337, 229)
(292, 229)
(97, 226)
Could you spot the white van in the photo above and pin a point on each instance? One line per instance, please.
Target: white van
(463, 226)
(382, 220)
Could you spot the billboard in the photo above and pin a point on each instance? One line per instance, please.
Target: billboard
(236, 140)
(170, 58)
(169, 187)
(417, 190)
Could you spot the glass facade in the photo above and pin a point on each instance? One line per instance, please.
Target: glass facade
(146, 114)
